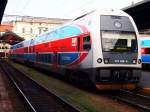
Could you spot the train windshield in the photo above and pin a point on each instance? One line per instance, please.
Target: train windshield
(117, 41)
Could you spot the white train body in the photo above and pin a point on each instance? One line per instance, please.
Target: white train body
(105, 44)
(122, 66)
(93, 23)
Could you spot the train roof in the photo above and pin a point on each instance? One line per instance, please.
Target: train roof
(103, 12)
(96, 11)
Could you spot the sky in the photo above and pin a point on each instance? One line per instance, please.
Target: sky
(61, 8)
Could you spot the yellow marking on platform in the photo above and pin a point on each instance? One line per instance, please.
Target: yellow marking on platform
(115, 86)
(145, 90)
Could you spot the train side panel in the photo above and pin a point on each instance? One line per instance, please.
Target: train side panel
(145, 51)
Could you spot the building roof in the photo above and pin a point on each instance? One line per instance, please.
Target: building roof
(32, 19)
(2, 8)
(140, 14)
(11, 38)
(6, 27)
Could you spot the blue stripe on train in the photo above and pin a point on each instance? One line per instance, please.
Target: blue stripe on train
(145, 58)
(67, 58)
(63, 58)
(30, 57)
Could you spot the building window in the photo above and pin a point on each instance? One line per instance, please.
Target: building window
(40, 31)
(31, 31)
(45, 29)
(23, 30)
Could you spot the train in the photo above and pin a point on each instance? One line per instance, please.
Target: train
(145, 50)
(99, 48)
(2, 54)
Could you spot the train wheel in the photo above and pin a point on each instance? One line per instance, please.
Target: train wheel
(84, 80)
(72, 78)
(145, 66)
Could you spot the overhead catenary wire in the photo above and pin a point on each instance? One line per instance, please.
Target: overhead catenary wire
(25, 6)
(79, 8)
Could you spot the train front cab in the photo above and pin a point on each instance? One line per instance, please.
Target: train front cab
(117, 63)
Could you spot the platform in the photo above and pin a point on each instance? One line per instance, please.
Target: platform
(144, 84)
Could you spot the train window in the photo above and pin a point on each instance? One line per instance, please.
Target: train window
(116, 23)
(43, 58)
(31, 42)
(49, 58)
(134, 45)
(86, 43)
(39, 57)
(46, 58)
(119, 41)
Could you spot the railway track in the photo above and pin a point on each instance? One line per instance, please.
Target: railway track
(38, 105)
(39, 99)
(132, 98)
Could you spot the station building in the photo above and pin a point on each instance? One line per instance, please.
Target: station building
(19, 28)
(29, 27)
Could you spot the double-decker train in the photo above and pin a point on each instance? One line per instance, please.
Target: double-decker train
(100, 47)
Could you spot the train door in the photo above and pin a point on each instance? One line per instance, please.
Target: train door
(79, 44)
(86, 43)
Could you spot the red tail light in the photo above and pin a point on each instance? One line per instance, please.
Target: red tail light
(143, 51)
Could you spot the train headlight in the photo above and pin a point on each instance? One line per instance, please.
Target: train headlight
(106, 60)
(139, 61)
(134, 61)
(99, 60)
